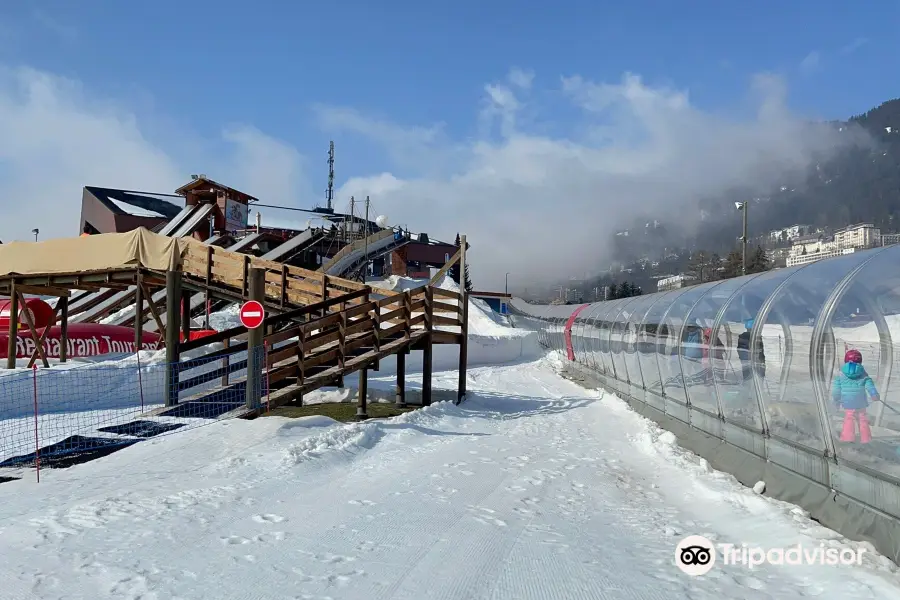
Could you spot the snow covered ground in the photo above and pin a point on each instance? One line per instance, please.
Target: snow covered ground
(533, 489)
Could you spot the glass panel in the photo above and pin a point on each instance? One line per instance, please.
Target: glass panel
(577, 333)
(734, 385)
(603, 336)
(617, 341)
(791, 409)
(634, 339)
(866, 319)
(699, 375)
(582, 350)
(596, 321)
(653, 333)
(680, 339)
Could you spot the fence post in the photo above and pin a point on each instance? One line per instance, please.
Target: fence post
(173, 351)
(361, 414)
(427, 356)
(255, 356)
(139, 311)
(13, 326)
(225, 363)
(401, 378)
(37, 445)
(63, 329)
(464, 322)
(268, 382)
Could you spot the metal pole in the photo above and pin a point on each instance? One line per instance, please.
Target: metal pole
(350, 232)
(745, 206)
(256, 359)
(366, 234)
(506, 288)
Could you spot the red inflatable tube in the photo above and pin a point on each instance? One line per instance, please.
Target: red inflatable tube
(41, 313)
(84, 339)
(570, 351)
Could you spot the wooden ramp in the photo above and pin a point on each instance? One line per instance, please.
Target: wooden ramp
(320, 329)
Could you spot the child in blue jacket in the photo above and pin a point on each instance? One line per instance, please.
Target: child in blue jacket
(851, 391)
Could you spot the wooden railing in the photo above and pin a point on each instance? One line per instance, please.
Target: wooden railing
(285, 285)
(311, 346)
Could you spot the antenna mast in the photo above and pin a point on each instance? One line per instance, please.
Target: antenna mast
(329, 193)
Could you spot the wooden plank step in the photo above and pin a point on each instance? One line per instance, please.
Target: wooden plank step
(321, 379)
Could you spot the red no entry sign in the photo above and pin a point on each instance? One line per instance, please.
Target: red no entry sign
(252, 314)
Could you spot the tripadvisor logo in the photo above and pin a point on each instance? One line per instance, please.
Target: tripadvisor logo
(696, 555)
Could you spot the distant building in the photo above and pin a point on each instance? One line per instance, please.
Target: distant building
(675, 282)
(808, 249)
(888, 239)
(107, 210)
(790, 233)
(864, 235)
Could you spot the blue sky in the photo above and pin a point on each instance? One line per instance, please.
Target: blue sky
(419, 69)
(211, 62)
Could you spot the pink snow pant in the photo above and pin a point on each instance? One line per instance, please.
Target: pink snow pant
(851, 417)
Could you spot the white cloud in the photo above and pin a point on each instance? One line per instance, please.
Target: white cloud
(55, 138)
(811, 62)
(536, 205)
(854, 45)
(521, 78)
(545, 207)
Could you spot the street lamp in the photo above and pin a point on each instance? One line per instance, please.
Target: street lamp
(35, 232)
(507, 284)
(743, 207)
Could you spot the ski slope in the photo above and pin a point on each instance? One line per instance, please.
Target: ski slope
(533, 489)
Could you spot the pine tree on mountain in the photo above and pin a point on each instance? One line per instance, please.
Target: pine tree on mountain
(734, 265)
(758, 261)
(455, 270)
(469, 287)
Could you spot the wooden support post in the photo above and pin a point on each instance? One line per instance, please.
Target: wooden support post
(13, 325)
(64, 329)
(173, 354)
(401, 379)
(38, 340)
(361, 414)
(155, 313)
(427, 358)
(185, 316)
(225, 362)
(324, 293)
(139, 313)
(376, 317)
(464, 323)
(301, 357)
(256, 359)
(245, 283)
(342, 340)
(39, 346)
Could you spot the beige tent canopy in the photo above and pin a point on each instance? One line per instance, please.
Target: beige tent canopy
(104, 252)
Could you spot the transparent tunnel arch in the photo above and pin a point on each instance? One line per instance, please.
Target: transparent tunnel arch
(689, 350)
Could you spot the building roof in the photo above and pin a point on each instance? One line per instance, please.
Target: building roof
(203, 181)
(138, 204)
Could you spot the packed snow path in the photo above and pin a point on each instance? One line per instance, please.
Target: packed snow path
(533, 489)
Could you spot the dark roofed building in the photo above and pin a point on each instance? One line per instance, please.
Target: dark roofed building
(106, 210)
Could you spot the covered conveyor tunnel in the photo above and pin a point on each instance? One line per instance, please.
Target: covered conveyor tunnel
(752, 362)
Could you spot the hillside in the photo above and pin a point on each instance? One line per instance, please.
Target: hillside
(860, 184)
